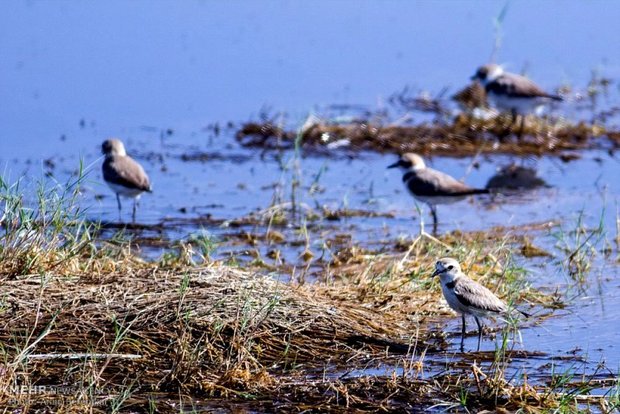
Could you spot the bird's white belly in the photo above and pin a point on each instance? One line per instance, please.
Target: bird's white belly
(438, 199)
(124, 191)
(522, 106)
(452, 300)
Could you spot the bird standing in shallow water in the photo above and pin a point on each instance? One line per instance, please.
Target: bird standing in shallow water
(467, 296)
(123, 174)
(512, 93)
(431, 186)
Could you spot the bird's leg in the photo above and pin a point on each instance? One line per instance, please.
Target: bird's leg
(463, 332)
(133, 214)
(479, 331)
(522, 127)
(434, 214)
(421, 215)
(118, 200)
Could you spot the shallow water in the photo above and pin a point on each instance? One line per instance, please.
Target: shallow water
(160, 76)
(115, 67)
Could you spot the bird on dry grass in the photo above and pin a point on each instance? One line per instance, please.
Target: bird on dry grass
(467, 296)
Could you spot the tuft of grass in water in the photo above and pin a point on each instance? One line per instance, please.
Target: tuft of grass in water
(206, 243)
(579, 245)
(289, 207)
(47, 230)
(612, 400)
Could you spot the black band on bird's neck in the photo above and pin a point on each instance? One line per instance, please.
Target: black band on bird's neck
(408, 175)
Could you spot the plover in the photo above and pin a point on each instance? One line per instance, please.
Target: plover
(467, 296)
(431, 186)
(123, 174)
(512, 93)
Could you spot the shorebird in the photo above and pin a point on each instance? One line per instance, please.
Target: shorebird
(512, 93)
(431, 186)
(467, 296)
(123, 174)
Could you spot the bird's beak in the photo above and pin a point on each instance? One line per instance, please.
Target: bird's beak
(474, 77)
(436, 273)
(396, 164)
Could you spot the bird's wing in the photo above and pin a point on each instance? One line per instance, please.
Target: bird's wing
(126, 172)
(473, 294)
(517, 86)
(429, 182)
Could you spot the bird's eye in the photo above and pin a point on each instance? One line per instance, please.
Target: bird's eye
(450, 267)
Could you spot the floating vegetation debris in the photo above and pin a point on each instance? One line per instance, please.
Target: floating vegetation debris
(465, 135)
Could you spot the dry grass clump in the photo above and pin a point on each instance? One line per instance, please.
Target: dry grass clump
(213, 330)
(464, 136)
